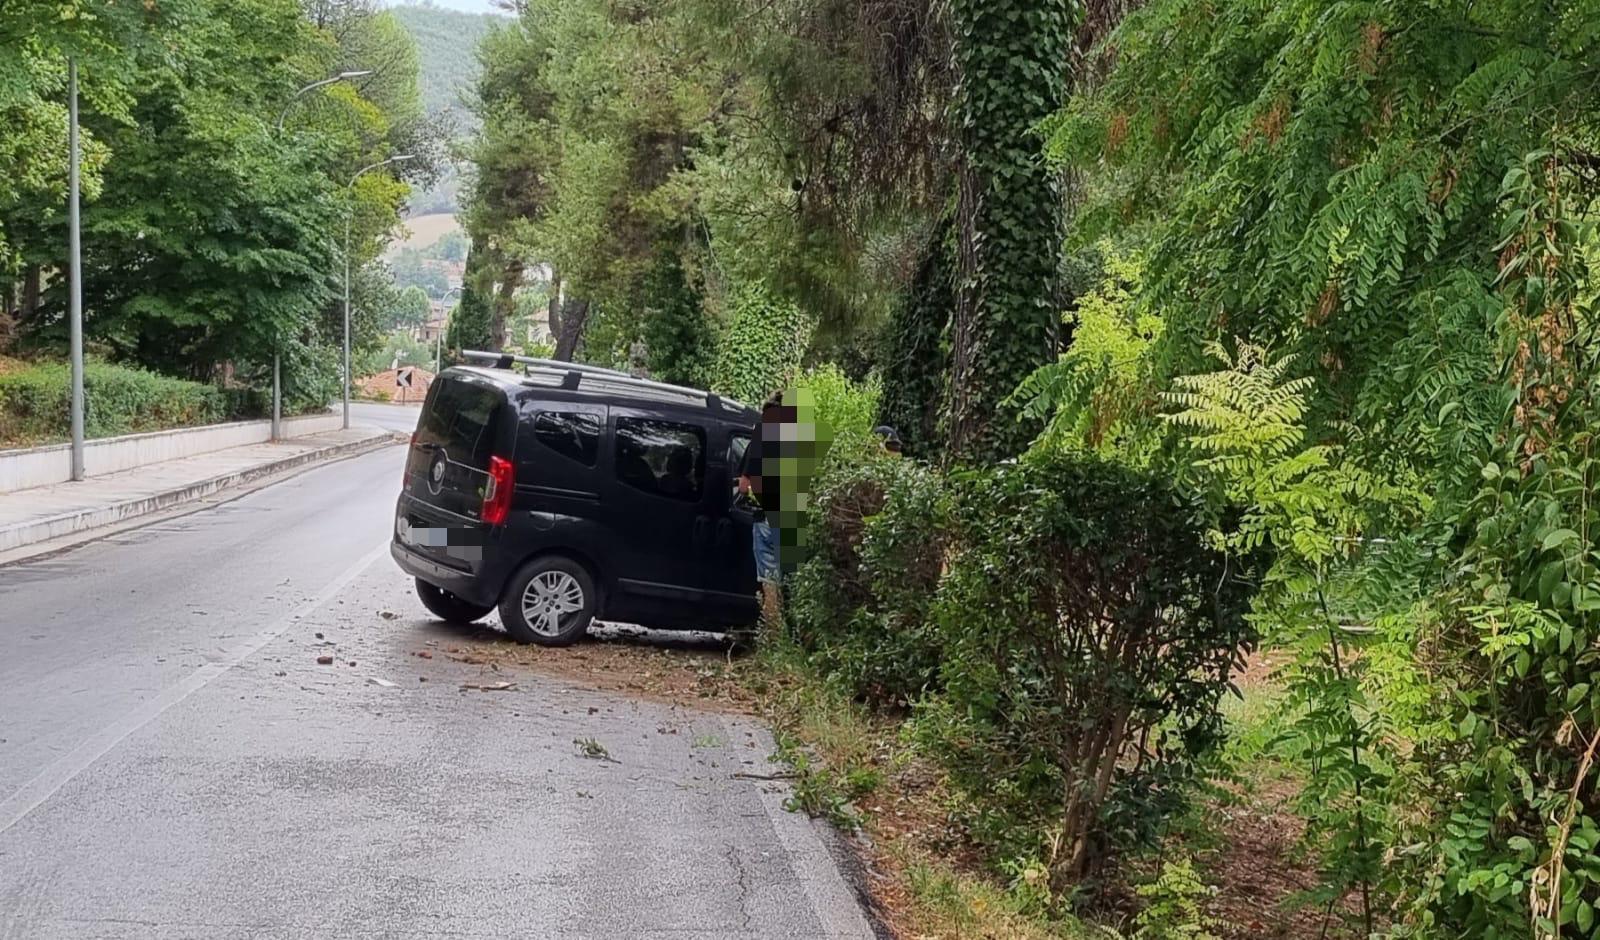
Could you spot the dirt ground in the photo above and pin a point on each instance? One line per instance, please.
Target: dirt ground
(687, 669)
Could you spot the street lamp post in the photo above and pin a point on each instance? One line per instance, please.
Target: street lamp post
(438, 349)
(75, 290)
(277, 393)
(349, 214)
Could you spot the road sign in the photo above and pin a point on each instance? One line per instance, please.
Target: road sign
(402, 378)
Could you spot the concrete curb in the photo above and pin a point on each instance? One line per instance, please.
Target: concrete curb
(32, 531)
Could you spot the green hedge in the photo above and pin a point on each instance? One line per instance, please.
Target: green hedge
(1061, 627)
(861, 604)
(35, 403)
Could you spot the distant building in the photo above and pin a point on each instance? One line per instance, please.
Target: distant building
(438, 315)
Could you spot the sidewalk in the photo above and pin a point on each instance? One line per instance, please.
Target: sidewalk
(49, 512)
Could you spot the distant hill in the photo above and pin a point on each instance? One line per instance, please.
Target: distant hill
(447, 51)
(447, 44)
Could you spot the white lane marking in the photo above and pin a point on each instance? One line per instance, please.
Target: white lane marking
(43, 786)
(832, 900)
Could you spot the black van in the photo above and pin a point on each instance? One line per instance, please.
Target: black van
(562, 492)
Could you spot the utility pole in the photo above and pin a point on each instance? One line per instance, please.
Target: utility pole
(75, 249)
(277, 392)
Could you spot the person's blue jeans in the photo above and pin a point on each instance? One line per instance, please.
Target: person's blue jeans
(764, 542)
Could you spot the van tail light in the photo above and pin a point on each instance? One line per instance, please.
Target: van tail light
(405, 472)
(497, 498)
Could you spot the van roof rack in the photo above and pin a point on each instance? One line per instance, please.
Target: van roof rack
(575, 372)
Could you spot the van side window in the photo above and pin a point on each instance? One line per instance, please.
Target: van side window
(663, 458)
(572, 435)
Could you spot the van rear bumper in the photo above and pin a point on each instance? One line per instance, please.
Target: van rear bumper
(465, 585)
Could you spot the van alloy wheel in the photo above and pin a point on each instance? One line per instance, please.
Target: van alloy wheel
(551, 601)
(548, 599)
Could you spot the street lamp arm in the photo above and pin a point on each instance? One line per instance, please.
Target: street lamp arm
(374, 166)
(342, 76)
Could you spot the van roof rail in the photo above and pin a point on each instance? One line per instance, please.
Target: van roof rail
(505, 361)
(574, 371)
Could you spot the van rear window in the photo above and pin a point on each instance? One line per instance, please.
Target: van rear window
(461, 417)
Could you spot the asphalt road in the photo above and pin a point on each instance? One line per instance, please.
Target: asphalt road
(368, 414)
(174, 763)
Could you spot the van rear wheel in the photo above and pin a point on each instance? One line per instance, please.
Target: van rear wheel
(447, 606)
(550, 601)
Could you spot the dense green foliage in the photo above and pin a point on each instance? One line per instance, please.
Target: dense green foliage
(1082, 687)
(207, 243)
(915, 356)
(761, 348)
(1377, 218)
(471, 324)
(863, 602)
(679, 339)
(411, 309)
(34, 403)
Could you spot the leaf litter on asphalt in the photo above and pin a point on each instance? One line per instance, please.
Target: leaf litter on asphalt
(594, 750)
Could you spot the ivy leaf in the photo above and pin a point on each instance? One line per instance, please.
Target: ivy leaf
(1558, 537)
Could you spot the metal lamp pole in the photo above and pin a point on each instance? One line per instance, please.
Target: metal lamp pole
(349, 213)
(438, 355)
(75, 246)
(277, 393)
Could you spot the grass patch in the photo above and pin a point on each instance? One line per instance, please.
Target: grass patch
(860, 770)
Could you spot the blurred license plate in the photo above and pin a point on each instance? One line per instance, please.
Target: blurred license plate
(465, 543)
(426, 536)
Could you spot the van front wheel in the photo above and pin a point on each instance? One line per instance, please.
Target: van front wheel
(447, 606)
(549, 602)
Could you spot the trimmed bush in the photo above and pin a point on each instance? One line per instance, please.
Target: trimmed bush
(36, 401)
(1089, 629)
(861, 604)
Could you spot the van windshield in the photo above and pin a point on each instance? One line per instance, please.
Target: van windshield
(460, 416)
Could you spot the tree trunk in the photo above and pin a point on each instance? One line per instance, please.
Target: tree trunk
(505, 302)
(574, 316)
(29, 308)
(553, 310)
(965, 422)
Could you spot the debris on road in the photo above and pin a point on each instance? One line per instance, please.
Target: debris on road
(593, 749)
(387, 614)
(489, 686)
(423, 654)
(385, 683)
(324, 660)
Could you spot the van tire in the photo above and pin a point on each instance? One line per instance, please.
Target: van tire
(447, 606)
(562, 580)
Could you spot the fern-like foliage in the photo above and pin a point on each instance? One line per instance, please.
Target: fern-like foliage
(1097, 396)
